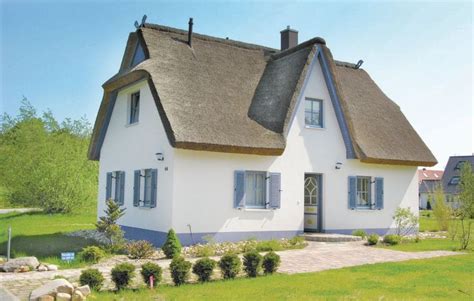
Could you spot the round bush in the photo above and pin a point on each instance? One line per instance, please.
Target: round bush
(392, 239)
(372, 239)
(360, 233)
(230, 266)
(252, 263)
(140, 249)
(203, 268)
(151, 269)
(271, 262)
(172, 246)
(179, 269)
(122, 275)
(92, 254)
(93, 278)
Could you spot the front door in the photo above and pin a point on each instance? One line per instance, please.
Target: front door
(312, 202)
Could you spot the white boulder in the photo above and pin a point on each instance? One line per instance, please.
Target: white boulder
(51, 288)
(85, 290)
(63, 297)
(17, 263)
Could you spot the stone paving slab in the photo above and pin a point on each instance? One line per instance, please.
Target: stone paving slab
(328, 237)
(317, 256)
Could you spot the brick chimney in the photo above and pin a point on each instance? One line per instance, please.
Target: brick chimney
(289, 38)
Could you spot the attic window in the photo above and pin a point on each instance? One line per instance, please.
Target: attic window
(459, 164)
(134, 108)
(138, 56)
(454, 180)
(313, 113)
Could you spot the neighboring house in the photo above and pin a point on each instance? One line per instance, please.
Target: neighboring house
(452, 177)
(214, 137)
(428, 180)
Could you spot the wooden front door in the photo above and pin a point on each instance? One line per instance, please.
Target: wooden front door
(312, 202)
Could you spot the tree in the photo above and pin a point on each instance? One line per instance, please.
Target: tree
(172, 245)
(441, 211)
(465, 211)
(44, 163)
(405, 221)
(108, 225)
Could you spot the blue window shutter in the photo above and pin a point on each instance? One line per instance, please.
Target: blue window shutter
(352, 192)
(239, 188)
(108, 187)
(275, 190)
(379, 193)
(154, 183)
(122, 187)
(136, 188)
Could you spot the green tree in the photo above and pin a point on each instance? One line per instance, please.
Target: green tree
(172, 245)
(441, 211)
(107, 224)
(44, 163)
(465, 211)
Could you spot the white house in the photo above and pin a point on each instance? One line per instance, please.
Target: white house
(211, 136)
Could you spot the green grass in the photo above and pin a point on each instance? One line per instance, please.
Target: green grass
(428, 222)
(42, 235)
(438, 278)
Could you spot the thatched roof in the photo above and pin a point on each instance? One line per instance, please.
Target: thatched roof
(228, 96)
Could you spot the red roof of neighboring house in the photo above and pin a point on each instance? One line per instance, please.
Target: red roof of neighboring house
(427, 174)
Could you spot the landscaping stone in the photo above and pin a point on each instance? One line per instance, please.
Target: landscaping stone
(22, 269)
(46, 298)
(52, 267)
(42, 268)
(17, 263)
(85, 290)
(78, 296)
(51, 288)
(63, 297)
(65, 288)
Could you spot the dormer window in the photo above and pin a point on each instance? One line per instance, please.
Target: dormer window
(313, 113)
(134, 108)
(459, 165)
(454, 180)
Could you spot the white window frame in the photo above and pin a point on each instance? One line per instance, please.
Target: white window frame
(130, 108)
(249, 173)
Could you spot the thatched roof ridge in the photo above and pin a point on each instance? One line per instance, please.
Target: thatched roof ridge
(228, 96)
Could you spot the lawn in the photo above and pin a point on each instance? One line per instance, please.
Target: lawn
(41, 235)
(438, 278)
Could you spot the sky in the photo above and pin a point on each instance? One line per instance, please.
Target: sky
(59, 53)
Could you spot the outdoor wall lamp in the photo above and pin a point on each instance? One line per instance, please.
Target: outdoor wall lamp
(338, 165)
(160, 156)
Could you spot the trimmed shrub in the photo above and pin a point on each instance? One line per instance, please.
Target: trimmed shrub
(93, 278)
(179, 269)
(252, 263)
(203, 268)
(360, 233)
(172, 246)
(151, 269)
(122, 275)
(140, 249)
(230, 266)
(372, 239)
(392, 239)
(92, 254)
(271, 262)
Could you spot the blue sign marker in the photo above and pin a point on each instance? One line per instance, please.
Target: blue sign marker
(67, 256)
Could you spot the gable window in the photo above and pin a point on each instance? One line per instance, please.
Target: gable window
(313, 112)
(454, 180)
(134, 108)
(145, 188)
(138, 56)
(115, 186)
(361, 191)
(256, 189)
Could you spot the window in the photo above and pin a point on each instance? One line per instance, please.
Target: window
(145, 188)
(313, 112)
(363, 192)
(115, 184)
(257, 189)
(138, 56)
(311, 190)
(454, 180)
(134, 108)
(459, 165)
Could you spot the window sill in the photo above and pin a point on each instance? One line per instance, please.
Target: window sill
(311, 127)
(365, 209)
(256, 209)
(132, 124)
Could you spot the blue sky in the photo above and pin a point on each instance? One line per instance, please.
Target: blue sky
(58, 53)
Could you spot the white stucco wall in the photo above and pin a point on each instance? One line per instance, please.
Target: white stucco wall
(203, 192)
(132, 147)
